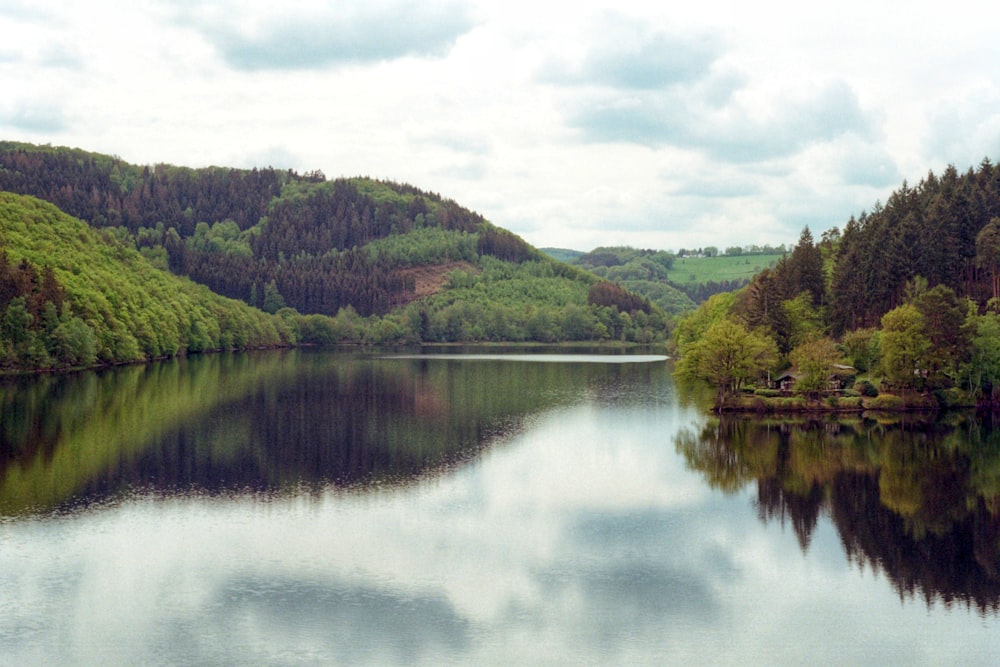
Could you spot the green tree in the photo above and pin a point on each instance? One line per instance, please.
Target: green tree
(578, 322)
(273, 301)
(805, 269)
(694, 325)
(814, 361)
(76, 342)
(804, 321)
(728, 356)
(904, 346)
(988, 252)
(982, 370)
(861, 347)
(944, 320)
(16, 325)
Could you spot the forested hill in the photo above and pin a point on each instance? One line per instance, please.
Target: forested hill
(908, 295)
(344, 260)
(240, 232)
(70, 298)
(946, 229)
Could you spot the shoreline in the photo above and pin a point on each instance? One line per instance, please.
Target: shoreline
(916, 402)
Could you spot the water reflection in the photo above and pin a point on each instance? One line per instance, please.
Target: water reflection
(276, 422)
(509, 513)
(915, 498)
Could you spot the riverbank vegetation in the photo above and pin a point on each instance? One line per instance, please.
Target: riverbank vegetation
(898, 311)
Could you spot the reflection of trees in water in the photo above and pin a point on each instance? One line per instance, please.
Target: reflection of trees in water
(915, 500)
(957, 564)
(273, 422)
(800, 511)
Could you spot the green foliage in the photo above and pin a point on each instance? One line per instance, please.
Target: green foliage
(805, 269)
(655, 274)
(803, 321)
(886, 402)
(861, 347)
(988, 252)
(115, 306)
(537, 300)
(905, 347)
(75, 342)
(693, 327)
(814, 361)
(982, 370)
(273, 301)
(767, 393)
(425, 246)
(944, 326)
(222, 237)
(942, 229)
(603, 293)
(277, 239)
(667, 297)
(866, 389)
(728, 356)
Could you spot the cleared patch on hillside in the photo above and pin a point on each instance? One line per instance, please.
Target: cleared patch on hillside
(422, 281)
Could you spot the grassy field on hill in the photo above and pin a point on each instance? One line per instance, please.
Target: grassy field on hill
(699, 270)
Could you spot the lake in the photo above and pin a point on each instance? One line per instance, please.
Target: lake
(313, 507)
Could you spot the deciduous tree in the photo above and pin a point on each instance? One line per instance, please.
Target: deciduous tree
(904, 346)
(728, 356)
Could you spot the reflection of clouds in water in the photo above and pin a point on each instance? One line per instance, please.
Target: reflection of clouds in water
(339, 620)
(582, 539)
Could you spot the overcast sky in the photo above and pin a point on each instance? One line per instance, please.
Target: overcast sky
(655, 125)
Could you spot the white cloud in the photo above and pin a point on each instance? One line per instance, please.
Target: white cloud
(627, 54)
(338, 34)
(604, 124)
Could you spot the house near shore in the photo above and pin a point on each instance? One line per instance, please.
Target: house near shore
(838, 379)
(786, 381)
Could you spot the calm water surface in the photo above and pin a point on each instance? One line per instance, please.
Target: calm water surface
(317, 508)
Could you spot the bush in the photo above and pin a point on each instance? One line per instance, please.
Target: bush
(885, 402)
(794, 403)
(767, 393)
(866, 388)
(953, 397)
(849, 403)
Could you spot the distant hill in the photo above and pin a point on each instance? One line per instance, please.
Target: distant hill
(345, 260)
(563, 254)
(675, 284)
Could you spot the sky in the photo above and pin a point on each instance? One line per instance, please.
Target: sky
(574, 125)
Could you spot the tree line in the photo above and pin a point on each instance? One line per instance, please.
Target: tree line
(267, 237)
(326, 262)
(907, 294)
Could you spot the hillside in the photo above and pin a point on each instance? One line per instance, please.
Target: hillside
(344, 260)
(69, 297)
(308, 243)
(908, 295)
(674, 283)
(563, 254)
(721, 269)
